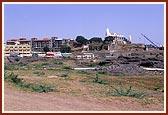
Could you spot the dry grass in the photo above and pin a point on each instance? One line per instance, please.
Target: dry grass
(82, 84)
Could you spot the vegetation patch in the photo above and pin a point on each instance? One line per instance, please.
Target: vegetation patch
(103, 72)
(126, 91)
(58, 63)
(67, 67)
(37, 65)
(159, 89)
(97, 80)
(44, 64)
(92, 64)
(83, 72)
(11, 67)
(64, 75)
(39, 73)
(13, 78)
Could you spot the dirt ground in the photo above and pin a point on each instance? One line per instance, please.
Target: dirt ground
(18, 100)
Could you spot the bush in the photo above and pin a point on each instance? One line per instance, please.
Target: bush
(43, 64)
(83, 72)
(97, 80)
(126, 91)
(11, 67)
(39, 73)
(17, 59)
(37, 65)
(103, 72)
(64, 75)
(58, 63)
(20, 64)
(92, 64)
(40, 88)
(67, 67)
(147, 64)
(13, 78)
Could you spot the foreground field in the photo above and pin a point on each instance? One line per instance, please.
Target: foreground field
(79, 90)
(16, 100)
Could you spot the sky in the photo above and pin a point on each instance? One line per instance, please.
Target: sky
(88, 20)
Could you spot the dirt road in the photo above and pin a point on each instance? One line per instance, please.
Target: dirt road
(16, 100)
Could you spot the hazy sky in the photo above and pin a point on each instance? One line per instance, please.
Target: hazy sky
(88, 20)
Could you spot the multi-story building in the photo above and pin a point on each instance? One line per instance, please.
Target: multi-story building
(20, 41)
(53, 44)
(20, 49)
(25, 47)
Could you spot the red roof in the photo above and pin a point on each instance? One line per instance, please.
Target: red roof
(46, 39)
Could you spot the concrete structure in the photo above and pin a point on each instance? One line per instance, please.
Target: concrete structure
(118, 38)
(54, 43)
(84, 56)
(19, 49)
(18, 41)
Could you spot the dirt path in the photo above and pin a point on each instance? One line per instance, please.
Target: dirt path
(16, 100)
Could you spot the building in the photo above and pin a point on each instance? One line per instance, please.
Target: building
(84, 56)
(37, 45)
(18, 41)
(19, 49)
(54, 44)
(118, 38)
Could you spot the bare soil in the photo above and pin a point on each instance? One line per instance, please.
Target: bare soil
(19, 100)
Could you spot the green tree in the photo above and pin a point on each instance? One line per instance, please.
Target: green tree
(108, 39)
(82, 40)
(46, 49)
(96, 40)
(65, 49)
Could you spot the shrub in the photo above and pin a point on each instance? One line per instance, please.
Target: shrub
(11, 67)
(58, 63)
(21, 64)
(92, 64)
(83, 72)
(40, 88)
(39, 73)
(64, 75)
(147, 64)
(126, 91)
(103, 72)
(43, 64)
(37, 65)
(97, 80)
(17, 59)
(13, 78)
(67, 67)
(159, 89)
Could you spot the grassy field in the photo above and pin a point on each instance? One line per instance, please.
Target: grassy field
(62, 79)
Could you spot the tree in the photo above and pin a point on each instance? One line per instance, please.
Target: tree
(96, 40)
(108, 39)
(82, 40)
(65, 49)
(46, 49)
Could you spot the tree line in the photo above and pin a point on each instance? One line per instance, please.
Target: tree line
(81, 40)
